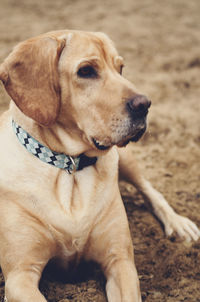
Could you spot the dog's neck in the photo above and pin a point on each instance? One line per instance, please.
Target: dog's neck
(55, 137)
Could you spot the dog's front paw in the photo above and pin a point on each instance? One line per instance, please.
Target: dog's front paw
(183, 226)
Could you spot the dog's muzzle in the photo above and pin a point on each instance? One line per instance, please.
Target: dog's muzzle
(137, 107)
(130, 128)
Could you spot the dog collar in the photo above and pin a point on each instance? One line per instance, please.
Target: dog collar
(59, 160)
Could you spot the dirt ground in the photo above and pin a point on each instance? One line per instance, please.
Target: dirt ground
(160, 41)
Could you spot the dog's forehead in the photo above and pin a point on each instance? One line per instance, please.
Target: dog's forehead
(92, 44)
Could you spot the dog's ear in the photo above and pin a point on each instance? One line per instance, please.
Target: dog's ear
(30, 76)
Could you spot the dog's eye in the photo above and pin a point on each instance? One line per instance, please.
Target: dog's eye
(87, 72)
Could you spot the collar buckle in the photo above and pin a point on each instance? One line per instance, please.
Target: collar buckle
(73, 170)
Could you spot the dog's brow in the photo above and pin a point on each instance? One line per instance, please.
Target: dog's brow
(89, 60)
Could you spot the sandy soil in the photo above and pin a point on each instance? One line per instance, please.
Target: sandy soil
(160, 41)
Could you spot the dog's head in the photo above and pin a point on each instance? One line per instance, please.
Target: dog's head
(75, 79)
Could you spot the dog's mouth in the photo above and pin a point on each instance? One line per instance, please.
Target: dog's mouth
(134, 138)
(100, 145)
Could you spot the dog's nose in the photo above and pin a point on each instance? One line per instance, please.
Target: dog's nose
(138, 105)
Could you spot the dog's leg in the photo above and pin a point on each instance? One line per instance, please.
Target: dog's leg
(120, 288)
(172, 222)
(111, 246)
(23, 287)
(26, 247)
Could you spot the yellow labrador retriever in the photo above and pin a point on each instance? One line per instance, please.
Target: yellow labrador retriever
(59, 197)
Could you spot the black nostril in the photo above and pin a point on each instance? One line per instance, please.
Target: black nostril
(138, 105)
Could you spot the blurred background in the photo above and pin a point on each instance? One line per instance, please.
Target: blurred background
(160, 42)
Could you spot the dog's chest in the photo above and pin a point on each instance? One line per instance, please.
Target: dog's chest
(84, 199)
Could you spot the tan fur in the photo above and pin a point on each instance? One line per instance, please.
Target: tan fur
(25, 83)
(46, 212)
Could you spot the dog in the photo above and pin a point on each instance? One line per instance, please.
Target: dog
(71, 113)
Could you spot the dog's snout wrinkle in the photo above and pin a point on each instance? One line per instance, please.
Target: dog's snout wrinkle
(138, 106)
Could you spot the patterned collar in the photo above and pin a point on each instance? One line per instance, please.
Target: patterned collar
(59, 160)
